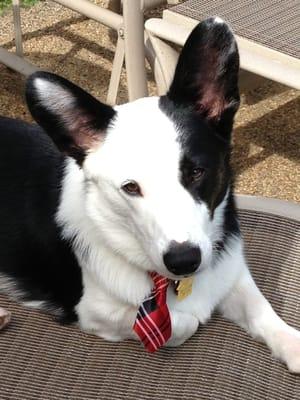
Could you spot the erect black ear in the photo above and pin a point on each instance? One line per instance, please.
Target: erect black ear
(206, 76)
(72, 118)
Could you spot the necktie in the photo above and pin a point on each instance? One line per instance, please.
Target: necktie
(153, 322)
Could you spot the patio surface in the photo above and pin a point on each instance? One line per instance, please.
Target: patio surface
(266, 145)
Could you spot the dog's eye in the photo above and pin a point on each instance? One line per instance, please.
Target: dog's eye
(132, 188)
(197, 173)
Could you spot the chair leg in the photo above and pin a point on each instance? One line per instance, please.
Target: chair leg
(134, 49)
(16, 63)
(116, 72)
(162, 59)
(17, 27)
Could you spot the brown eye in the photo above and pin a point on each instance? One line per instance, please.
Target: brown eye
(132, 188)
(197, 173)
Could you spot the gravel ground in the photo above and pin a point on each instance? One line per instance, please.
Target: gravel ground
(266, 145)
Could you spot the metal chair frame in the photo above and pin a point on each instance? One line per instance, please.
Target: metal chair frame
(129, 48)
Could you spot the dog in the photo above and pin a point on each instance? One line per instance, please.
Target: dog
(95, 197)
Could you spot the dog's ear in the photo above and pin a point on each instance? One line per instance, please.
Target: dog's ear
(206, 76)
(74, 120)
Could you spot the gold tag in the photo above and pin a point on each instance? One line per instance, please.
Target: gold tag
(184, 288)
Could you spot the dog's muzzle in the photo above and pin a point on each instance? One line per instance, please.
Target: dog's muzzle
(182, 258)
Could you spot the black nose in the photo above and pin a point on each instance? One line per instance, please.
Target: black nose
(182, 258)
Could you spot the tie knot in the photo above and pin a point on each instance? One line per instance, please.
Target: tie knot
(160, 282)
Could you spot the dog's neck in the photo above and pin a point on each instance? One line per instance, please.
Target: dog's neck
(100, 264)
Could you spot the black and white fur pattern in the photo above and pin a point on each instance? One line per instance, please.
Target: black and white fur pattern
(95, 197)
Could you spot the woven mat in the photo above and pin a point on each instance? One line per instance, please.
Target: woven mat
(272, 23)
(41, 360)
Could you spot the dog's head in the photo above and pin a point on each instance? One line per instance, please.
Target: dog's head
(156, 169)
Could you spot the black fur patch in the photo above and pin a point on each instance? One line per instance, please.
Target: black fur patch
(201, 148)
(32, 251)
(202, 102)
(205, 148)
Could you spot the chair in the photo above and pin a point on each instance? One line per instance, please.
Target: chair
(41, 359)
(130, 43)
(267, 32)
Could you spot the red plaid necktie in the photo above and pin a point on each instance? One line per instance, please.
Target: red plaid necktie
(153, 322)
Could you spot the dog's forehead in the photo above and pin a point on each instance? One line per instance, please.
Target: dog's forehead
(142, 139)
(143, 121)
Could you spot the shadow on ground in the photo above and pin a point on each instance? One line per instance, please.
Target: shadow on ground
(273, 133)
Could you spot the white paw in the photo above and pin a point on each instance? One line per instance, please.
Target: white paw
(289, 351)
(183, 327)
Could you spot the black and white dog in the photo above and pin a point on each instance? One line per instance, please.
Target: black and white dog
(94, 197)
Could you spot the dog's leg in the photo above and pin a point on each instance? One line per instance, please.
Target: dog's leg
(4, 317)
(246, 306)
(183, 327)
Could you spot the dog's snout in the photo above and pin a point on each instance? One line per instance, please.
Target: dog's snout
(182, 258)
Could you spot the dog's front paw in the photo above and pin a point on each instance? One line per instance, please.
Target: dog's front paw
(183, 327)
(290, 349)
(4, 317)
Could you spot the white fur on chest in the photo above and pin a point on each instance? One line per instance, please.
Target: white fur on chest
(112, 294)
